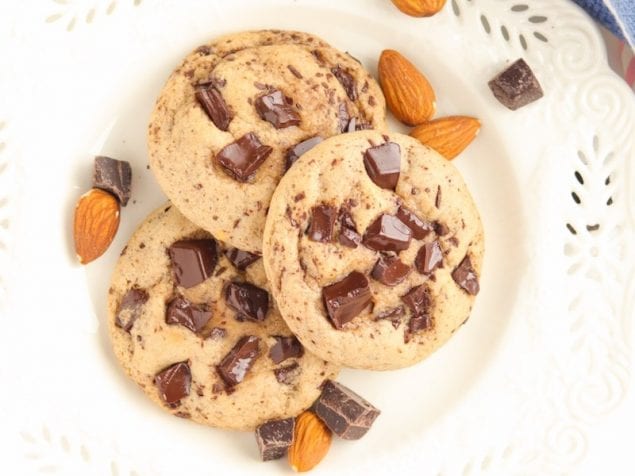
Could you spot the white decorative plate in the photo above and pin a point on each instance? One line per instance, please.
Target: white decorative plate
(536, 383)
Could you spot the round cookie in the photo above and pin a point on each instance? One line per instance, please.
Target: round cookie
(373, 247)
(216, 351)
(237, 110)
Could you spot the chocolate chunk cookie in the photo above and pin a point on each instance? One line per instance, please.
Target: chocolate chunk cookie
(238, 111)
(198, 331)
(373, 246)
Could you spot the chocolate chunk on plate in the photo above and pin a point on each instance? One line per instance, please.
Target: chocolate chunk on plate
(347, 298)
(346, 414)
(465, 276)
(277, 109)
(182, 312)
(235, 365)
(274, 437)
(174, 383)
(387, 233)
(212, 102)
(250, 302)
(429, 257)
(130, 308)
(383, 164)
(285, 348)
(241, 259)
(242, 158)
(516, 86)
(193, 261)
(295, 152)
(390, 270)
(114, 176)
(322, 226)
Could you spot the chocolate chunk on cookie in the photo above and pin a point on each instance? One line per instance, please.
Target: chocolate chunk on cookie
(347, 298)
(174, 383)
(193, 261)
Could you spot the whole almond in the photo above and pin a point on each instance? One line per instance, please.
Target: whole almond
(448, 135)
(311, 442)
(95, 225)
(419, 8)
(409, 95)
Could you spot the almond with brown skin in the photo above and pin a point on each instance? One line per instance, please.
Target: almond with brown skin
(448, 135)
(409, 95)
(311, 442)
(95, 225)
(419, 8)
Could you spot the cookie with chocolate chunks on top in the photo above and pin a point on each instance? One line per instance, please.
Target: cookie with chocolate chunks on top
(367, 268)
(197, 330)
(239, 111)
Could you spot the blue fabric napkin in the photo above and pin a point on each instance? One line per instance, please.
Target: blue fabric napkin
(617, 15)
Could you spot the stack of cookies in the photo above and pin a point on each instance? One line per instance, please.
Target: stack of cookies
(301, 236)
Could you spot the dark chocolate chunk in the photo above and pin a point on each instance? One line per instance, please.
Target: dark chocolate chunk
(113, 176)
(393, 315)
(346, 414)
(429, 257)
(277, 109)
(419, 227)
(249, 301)
(347, 81)
(300, 148)
(347, 298)
(241, 259)
(437, 199)
(242, 158)
(416, 324)
(390, 270)
(417, 300)
(387, 233)
(193, 261)
(288, 374)
(174, 383)
(441, 229)
(343, 117)
(183, 312)
(212, 102)
(322, 226)
(274, 438)
(129, 308)
(383, 164)
(294, 71)
(465, 276)
(235, 365)
(285, 348)
(348, 229)
(516, 86)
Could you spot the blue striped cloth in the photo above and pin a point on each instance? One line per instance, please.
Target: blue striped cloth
(617, 15)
